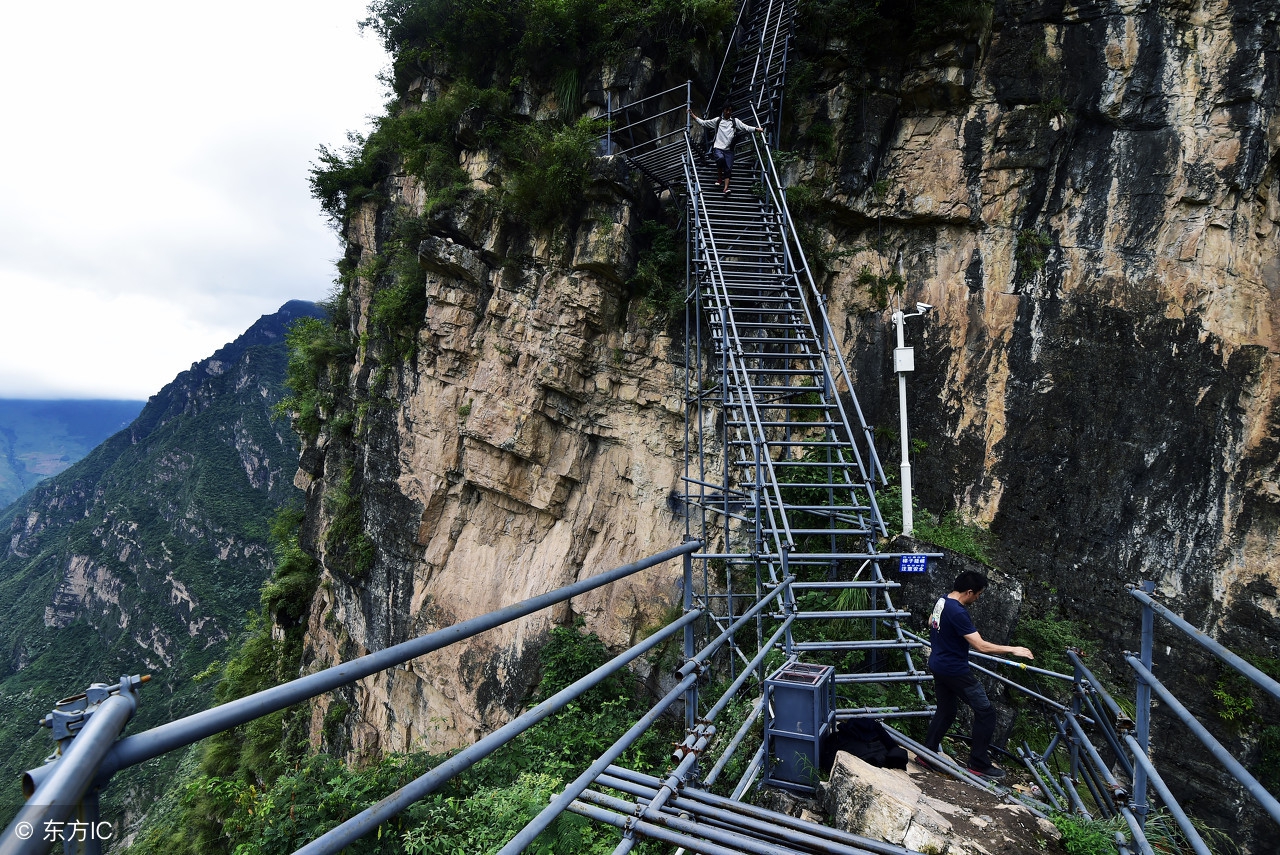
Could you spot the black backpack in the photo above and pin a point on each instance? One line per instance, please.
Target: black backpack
(866, 739)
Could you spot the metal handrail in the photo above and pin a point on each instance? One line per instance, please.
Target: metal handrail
(1259, 679)
(343, 835)
(765, 156)
(92, 757)
(732, 339)
(1237, 770)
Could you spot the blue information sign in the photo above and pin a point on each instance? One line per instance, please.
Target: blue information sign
(913, 563)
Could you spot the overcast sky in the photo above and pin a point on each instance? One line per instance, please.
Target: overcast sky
(153, 179)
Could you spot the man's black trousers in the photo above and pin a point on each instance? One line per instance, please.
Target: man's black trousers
(951, 690)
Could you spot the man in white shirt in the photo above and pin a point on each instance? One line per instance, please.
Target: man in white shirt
(727, 128)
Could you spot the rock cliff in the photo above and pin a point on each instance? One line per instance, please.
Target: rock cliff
(1087, 192)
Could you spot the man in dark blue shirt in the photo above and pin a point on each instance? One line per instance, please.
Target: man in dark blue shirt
(951, 634)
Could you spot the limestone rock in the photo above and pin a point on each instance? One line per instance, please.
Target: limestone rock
(886, 805)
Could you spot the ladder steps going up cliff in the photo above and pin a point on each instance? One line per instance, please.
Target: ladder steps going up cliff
(781, 472)
(797, 496)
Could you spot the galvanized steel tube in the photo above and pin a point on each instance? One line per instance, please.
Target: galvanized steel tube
(1073, 795)
(1035, 773)
(1261, 680)
(70, 779)
(732, 747)
(955, 771)
(715, 834)
(1119, 717)
(1255, 789)
(561, 802)
(159, 740)
(649, 829)
(369, 819)
(1175, 810)
(707, 806)
(1039, 697)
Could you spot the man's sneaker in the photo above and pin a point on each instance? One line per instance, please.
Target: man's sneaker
(991, 773)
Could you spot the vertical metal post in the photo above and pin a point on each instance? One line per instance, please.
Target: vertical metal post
(688, 105)
(908, 521)
(691, 695)
(1143, 706)
(788, 598)
(608, 127)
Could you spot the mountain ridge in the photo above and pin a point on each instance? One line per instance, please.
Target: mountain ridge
(147, 554)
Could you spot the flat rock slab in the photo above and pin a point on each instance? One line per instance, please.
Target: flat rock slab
(927, 811)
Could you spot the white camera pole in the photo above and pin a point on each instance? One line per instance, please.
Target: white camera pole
(904, 361)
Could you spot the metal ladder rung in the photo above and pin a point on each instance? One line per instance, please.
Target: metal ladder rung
(843, 586)
(855, 613)
(806, 646)
(886, 677)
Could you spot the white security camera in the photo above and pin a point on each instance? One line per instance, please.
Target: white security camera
(923, 307)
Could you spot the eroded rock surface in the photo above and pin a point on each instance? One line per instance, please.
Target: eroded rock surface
(916, 809)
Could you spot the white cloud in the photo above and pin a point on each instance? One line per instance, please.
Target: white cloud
(153, 179)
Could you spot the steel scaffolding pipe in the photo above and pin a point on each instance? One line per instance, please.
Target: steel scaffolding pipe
(1175, 809)
(1039, 697)
(707, 808)
(1073, 795)
(1119, 718)
(657, 832)
(695, 664)
(689, 676)
(694, 744)
(369, 819)
(72, 776)
(952, 768)
(1237, 770)
(1112, 738)
(1021, 666)
(800, 833)
(756, 708)
(725, 833)
(1261, 680)
(1035, 773)
(176, 734)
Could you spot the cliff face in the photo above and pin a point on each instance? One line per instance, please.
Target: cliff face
(1088, 194)
(531, 440)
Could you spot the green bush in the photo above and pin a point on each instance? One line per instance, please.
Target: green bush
(1082, 836)
(953, 532)
(483, 39)
(550, 168)
(1032, 250)
(317, 350)
(659, 275)
(346, 543)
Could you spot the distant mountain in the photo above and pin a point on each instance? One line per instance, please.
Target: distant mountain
(42, 438)
(147, 555)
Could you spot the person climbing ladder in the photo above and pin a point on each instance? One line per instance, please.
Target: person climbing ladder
(726, 128)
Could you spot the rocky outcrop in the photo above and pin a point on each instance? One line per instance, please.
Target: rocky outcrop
(532, 440)
(1087, 193)
(905, 808)
(146, 555)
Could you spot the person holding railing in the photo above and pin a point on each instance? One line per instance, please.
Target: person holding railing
(951, 634)
(726, 128)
